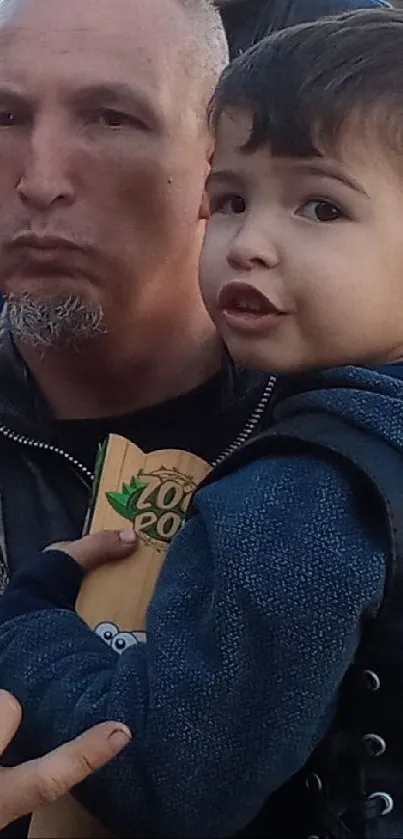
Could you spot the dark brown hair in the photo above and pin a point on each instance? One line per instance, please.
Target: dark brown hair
(303, 84)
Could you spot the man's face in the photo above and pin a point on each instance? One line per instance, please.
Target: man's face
(102, 155)
(303, 258)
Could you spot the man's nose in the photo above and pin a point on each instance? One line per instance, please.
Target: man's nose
(251, 248)
(45, 179)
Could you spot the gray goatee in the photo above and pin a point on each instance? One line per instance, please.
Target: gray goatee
(53, 321)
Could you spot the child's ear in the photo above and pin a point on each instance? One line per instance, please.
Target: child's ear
(204, 209)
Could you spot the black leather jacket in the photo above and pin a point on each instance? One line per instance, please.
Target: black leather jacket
(43, 493)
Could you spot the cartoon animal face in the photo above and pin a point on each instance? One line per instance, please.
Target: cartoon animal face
(118, 640)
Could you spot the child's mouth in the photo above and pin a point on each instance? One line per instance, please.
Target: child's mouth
(245, 308)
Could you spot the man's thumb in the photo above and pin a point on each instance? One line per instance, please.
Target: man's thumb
(31, 785)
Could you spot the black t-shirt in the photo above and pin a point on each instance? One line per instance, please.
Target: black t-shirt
(205, 421)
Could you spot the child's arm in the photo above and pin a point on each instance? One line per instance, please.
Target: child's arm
(52, 579)
(254, 622)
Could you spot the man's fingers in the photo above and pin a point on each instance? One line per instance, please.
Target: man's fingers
(28, 787)
(97, 548)
(73, 761)
(10, 718)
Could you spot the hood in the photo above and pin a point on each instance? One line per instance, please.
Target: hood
(365, 398)
(248, 21)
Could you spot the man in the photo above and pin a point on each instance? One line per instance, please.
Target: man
(29, 786)
(104, 152)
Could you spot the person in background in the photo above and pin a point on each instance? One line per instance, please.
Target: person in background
(248, 21)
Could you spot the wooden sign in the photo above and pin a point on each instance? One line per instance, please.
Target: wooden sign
(152, 492)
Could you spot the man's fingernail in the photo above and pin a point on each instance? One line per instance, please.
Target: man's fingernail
(128, 536)
(120, 737)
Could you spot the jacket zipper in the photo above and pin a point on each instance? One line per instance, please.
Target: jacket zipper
(251, 423)
(89, 476)
(29, 442)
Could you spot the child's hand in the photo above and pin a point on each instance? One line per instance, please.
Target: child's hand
(98, 548)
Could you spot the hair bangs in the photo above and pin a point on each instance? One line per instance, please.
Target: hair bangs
(304, 85)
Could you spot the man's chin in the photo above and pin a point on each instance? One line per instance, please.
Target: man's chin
(45, 320)
(46, 284)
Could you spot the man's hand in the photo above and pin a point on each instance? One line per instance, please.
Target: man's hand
(27, 787)
(98, 548)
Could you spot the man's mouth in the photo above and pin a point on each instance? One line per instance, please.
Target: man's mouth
(245, 308)
(42, 243)
(33, 257)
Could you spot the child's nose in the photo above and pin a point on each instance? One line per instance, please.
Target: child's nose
(249, 251)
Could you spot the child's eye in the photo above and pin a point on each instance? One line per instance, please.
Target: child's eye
(229, 204)
(319, 209)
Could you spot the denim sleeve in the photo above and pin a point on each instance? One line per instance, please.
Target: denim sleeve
(253, 625)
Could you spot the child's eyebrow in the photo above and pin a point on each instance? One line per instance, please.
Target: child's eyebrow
(223, 176)
(327, 171)
(321, 170)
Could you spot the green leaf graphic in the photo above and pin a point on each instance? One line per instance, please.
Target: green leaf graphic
(119, 501)
(137, 484)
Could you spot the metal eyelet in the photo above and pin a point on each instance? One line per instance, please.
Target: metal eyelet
(387, 800)
(375, 745)
(372, 681)
(313, 783)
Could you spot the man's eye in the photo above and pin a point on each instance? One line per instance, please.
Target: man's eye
(228, 204)
(8, 118)
(319, 209)
(115, 119)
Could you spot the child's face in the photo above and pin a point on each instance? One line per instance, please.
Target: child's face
(303, 259)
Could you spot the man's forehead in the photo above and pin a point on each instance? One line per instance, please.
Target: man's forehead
(127, 15)
(94, 30)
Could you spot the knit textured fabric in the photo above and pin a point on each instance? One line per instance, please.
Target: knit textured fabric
(254, 623)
